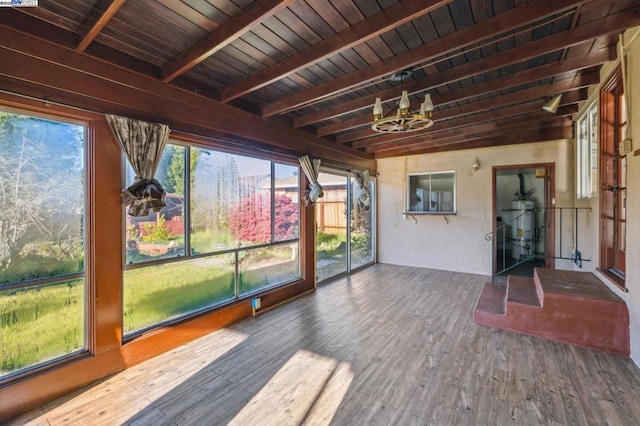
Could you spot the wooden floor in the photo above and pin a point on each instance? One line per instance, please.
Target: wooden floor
(388, 345)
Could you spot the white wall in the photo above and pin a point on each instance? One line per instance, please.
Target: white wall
(458, 245)
(591, 231)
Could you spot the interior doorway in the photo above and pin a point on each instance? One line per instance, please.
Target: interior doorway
(523, 210)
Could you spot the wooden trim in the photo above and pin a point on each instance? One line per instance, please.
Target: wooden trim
(550, 226)
(550, 194)
(609, 121)
(613, 279)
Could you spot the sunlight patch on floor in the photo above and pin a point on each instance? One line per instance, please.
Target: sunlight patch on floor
(145, 384)
(308, 389)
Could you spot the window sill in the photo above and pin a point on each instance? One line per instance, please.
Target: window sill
(613, 279)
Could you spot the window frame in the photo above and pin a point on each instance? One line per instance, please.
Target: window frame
(587, 152)
(407, 206)
(87, 346)
(188, 144)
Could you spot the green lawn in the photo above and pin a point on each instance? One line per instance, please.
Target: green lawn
(158, 293)
(40, 324)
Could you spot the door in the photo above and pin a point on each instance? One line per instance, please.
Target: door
(331, 226)
(525, 218)
(613, 191)
(345, 225)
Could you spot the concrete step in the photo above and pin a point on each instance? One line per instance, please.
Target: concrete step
(564, 306)
(522, 290)
(492, 299)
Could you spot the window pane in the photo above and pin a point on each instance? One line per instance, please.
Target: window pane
(331, 225)
(154, 294)
(41, 198)
(287, 202)
(583, 158)
(593, 160)
(431, 193)
(160, 234)
(361, 228)
(230, 201)
(264, 267)
(40, 323)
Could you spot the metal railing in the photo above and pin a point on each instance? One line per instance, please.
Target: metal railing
(502, 237)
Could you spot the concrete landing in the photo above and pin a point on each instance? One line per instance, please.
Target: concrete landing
(564, 306)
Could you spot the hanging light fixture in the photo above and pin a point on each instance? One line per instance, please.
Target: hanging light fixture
(404, 120)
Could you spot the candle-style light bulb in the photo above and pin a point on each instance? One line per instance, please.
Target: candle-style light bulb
(428, 104)
(377, 108)
(404, 101)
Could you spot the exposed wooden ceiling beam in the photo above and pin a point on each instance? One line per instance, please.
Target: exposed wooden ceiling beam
(512, 80)
(610, 24)
(377, 24)
(529, 116)
(67, 77)
(16, 19)
(443, 117)
(519, 137)
(517, 17)
(235, 27)
(96, 20)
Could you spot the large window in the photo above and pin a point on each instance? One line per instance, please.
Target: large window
(230, 229)
(587, 153)
(42, 241)
(431, 192)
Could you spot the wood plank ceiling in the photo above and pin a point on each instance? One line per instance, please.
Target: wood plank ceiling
(318, 65)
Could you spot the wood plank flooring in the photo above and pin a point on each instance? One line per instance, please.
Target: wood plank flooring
(388, 345)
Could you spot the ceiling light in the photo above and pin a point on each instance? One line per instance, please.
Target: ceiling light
(553, 104)
(403, 120)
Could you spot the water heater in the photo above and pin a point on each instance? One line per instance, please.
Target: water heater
(523, 245)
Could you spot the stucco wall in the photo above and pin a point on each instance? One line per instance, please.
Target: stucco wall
(457, 243)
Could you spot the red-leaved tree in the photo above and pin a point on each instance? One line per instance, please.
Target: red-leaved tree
(250, 219)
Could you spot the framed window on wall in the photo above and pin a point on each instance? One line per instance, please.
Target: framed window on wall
(431, 192)
(587, 153)
(43, 290)
(230, 229)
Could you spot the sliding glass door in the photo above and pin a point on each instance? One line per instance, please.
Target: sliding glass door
(362, 242)
(331, 226)
(344, 226)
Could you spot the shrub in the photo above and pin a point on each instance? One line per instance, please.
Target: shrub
(323, 237)
(250, 219)
(158, 231)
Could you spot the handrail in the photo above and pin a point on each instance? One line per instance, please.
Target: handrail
(575, 256)
(489, 236)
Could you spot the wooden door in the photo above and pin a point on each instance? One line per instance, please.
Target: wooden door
(613, 191)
